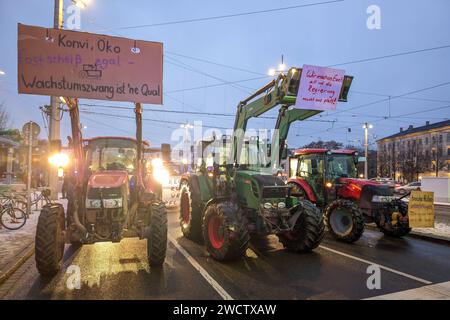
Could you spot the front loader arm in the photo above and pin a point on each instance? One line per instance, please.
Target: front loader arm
(285, 118)
(274, 96)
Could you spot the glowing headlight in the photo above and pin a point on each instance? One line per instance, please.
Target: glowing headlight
(281, 205)
(157, 163)
(161, 175)
(267, 205)
(112, 203)
(93, 203)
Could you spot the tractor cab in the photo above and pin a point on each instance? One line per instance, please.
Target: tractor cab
(110, 176)
(318, 170)
(329, 179)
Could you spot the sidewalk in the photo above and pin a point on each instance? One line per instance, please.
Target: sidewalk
(17, 245)
(441, 230)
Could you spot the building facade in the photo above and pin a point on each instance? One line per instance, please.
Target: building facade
(415, 152)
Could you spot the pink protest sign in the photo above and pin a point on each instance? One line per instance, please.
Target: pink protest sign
(319, 88)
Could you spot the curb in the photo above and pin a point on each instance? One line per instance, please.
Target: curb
(417, 235)
(432, 238)
(12, 267)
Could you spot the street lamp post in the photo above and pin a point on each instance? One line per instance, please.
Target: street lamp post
(55, 112)
(55, 107)
(281, 68)
(366, 128)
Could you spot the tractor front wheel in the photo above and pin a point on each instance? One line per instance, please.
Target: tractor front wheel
(157, 235)
(344, 220)
(190, 214)
(49, 242)
(226, 236)
(308, 230)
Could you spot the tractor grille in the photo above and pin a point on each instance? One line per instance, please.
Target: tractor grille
(105, 193)
(275, 192)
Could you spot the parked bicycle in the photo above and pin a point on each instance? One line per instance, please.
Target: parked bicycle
(11, 217)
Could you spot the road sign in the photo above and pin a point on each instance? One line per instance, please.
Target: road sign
(85, 65)
(35, 130)
(320, 88)
(421, 209)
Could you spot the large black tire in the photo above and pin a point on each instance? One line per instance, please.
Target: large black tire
(344, 220)
(157, 235)
(190, 214)
(308, 231)
(226, 236)
(49, 241)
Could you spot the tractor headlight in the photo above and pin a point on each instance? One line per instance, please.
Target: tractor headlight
(112, 203)
(161, 175)
(281, 205)
(267, 205)
(93, 203)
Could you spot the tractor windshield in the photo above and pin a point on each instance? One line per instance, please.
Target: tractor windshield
(341, 166)
(111, 154)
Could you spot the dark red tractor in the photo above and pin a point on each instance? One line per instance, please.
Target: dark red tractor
(329, 179)
(112, 192)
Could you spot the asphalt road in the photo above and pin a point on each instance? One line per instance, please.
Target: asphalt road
(333, 271)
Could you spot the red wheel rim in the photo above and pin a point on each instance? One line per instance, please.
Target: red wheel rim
(215, 232)
(185, 208)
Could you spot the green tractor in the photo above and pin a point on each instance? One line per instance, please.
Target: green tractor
(225, 202)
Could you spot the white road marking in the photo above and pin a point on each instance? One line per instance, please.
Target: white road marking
(438, 291)
(216, 286)
(381, 266)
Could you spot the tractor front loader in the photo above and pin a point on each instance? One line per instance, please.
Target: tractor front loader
(112, 194)
(328, 178)
(225, 202)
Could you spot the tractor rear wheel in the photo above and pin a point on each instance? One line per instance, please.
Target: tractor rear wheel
(157, 235)
(49, 241)
(226, 236)
(308, 231)
(344, 220)
(190, 214)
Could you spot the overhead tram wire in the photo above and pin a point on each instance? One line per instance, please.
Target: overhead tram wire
(215, 63)
(223, 16)
(191, 112)
(396, 116)
(192, 69)
(391, 55)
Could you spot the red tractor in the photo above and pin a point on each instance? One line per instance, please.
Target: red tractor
(329, 179)
(112, 194)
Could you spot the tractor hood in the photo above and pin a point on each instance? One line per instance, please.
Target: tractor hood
(108, 179)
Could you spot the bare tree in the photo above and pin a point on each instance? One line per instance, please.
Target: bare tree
(5, 121)
(324, 144)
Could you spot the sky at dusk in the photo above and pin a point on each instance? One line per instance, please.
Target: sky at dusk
(201, 57)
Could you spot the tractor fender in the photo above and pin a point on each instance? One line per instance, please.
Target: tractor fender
(215, 200)
(305, 186)
(193, 182)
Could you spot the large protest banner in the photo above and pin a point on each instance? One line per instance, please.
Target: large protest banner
(85, 65)
(319, 88)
